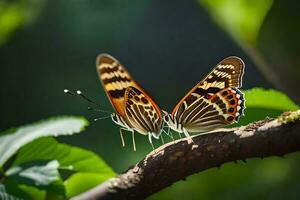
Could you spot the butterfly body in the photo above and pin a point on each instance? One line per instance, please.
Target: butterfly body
(213, 103)
(135, 110)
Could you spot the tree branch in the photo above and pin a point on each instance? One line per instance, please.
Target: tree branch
(177, 160)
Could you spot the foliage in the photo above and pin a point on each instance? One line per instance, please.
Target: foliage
(12, 140)
(15, 14)
(4, 195)
(262, 103)
(256, 26)
(35, 166)
(242, 19)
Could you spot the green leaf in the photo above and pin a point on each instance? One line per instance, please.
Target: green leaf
(16, 14)
(69, 157)
(262, 103)
(12, 140)
(81, 182)
(41, 175)
(242, 19)
(23, 191)
(5, 196)
(272, 99)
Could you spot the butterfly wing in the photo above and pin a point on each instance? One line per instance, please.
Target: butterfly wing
(115, 79)
(204, 114)
(141, 112)
(227, 73)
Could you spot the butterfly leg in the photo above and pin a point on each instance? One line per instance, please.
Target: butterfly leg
(179, 135)
(121, 135)
(171, 136)
(133, 140)
(162, 139)
(150, 140)
(186, 133)
(170, 133)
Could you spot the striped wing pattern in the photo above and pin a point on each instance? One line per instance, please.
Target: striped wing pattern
(206, 114)
(129, 100)
(141, 113)
(227, 73)
(215, 101)
(115, 79)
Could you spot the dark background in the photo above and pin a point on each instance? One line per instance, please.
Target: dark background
(168, 46)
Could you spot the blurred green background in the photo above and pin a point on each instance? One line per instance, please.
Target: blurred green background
(168, 46)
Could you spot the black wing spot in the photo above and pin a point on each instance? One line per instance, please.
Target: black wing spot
(230, 96)
(144, 100)
(230, 118)
(232, 102)
(137, 98)
(231, 110)
(224, 93)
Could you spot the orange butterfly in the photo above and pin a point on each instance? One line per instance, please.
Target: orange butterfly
(135, 109)
(213, 103)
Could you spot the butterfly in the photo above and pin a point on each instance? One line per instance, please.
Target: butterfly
(213, 103)
(135, 110)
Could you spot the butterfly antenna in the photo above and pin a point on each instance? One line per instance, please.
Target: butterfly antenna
(81, 95)
(66, 91)
(98, 110)
(100, 118)
(78, 92)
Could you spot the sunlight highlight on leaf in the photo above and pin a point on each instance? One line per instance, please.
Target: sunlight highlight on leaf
(262, 103)
(272, 99)
(242, 18)
(40, 175)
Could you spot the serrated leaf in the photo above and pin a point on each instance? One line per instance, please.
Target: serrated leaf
(69, 157)
(40, 175)
(5, 196)
(12, 140)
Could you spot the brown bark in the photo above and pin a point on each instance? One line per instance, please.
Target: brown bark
(177, 160)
